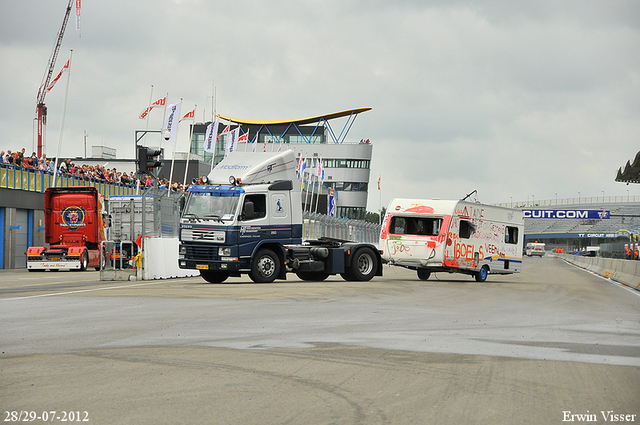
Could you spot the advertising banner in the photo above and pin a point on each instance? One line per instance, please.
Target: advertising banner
(565, 214)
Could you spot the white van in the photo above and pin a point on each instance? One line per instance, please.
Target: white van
(432, 235)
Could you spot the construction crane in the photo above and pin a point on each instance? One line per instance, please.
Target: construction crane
(41, 108)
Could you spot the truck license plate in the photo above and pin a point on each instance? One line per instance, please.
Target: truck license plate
(202, 266)
(54, 258)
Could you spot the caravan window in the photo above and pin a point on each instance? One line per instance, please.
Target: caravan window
(466, 229)
(422, 226)
(511, 235)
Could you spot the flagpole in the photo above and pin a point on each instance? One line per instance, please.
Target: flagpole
(319, 183)
(380, 192)
(186, 167)
(164, 115)
(146, 126)
(175, 144)
(64, 110)
(309, 187)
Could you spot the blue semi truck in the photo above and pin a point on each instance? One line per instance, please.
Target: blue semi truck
(245, 217)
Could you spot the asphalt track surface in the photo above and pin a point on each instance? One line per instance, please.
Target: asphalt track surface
(547, 345)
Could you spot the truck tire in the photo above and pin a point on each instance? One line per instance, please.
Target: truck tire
(481, 276)
(84, 261)
(265, 267)
(313, 276)
(423, 274)
(214, 277)
(364, 264)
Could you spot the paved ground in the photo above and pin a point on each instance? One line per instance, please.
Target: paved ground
(529, 348)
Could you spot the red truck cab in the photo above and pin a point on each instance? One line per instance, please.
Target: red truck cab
(74, 229)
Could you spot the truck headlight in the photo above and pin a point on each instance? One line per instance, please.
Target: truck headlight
(182, 251)
(224, 252)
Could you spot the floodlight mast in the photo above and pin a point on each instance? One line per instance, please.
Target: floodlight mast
(41, 108)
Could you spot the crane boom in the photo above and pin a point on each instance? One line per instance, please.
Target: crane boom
(41, 108)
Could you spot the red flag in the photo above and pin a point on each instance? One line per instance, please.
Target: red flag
(378, 183)
(64, 68)
(244, 137)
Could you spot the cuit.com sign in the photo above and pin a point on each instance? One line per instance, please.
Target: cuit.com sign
(561, 214)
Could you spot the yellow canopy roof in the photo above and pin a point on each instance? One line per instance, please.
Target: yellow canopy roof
(298, 121)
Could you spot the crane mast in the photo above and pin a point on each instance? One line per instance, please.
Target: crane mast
(41, 108)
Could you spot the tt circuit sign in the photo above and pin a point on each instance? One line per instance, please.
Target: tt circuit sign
(565, 214)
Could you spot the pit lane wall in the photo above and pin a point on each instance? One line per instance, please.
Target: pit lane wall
(623, 271)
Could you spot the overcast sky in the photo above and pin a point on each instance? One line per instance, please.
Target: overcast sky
(515, 99)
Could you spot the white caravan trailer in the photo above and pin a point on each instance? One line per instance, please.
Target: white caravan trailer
(430, 235)
(534, 248)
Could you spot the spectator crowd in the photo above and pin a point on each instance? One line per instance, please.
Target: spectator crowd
(96, 173)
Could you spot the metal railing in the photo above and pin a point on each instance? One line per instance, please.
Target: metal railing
(319, 225)
(12, 177)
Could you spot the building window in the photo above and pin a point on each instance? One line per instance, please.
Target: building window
(354, 213)
(346, 163)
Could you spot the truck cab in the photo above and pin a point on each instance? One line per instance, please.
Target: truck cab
(223, 227)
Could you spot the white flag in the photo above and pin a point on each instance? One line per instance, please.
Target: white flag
(171, 123)
(157, 103)
(55, 80)
(232, 141)
(211, 136)
(78, 6)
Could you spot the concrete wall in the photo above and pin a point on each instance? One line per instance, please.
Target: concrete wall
(623, 271)
(160, 260)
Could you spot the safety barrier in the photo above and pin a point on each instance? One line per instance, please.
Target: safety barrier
(38, 181)
(118, 260)
(623, 271)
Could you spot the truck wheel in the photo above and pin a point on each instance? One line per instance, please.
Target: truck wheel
(364, 264)
(481, 276)
(214, 277)
(84, 261)
(423, 274)
(313, 276)
(265, 267)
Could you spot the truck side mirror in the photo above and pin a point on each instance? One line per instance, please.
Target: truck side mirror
(248, 211)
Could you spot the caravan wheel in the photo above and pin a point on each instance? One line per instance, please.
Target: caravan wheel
(481, 276)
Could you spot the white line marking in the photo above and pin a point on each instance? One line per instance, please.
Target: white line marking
(80, 291)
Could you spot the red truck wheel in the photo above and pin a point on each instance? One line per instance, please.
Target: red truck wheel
(84, 261)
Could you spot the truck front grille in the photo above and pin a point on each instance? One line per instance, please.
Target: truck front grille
(201, 252)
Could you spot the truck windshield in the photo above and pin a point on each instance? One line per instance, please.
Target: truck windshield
(208, 206)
